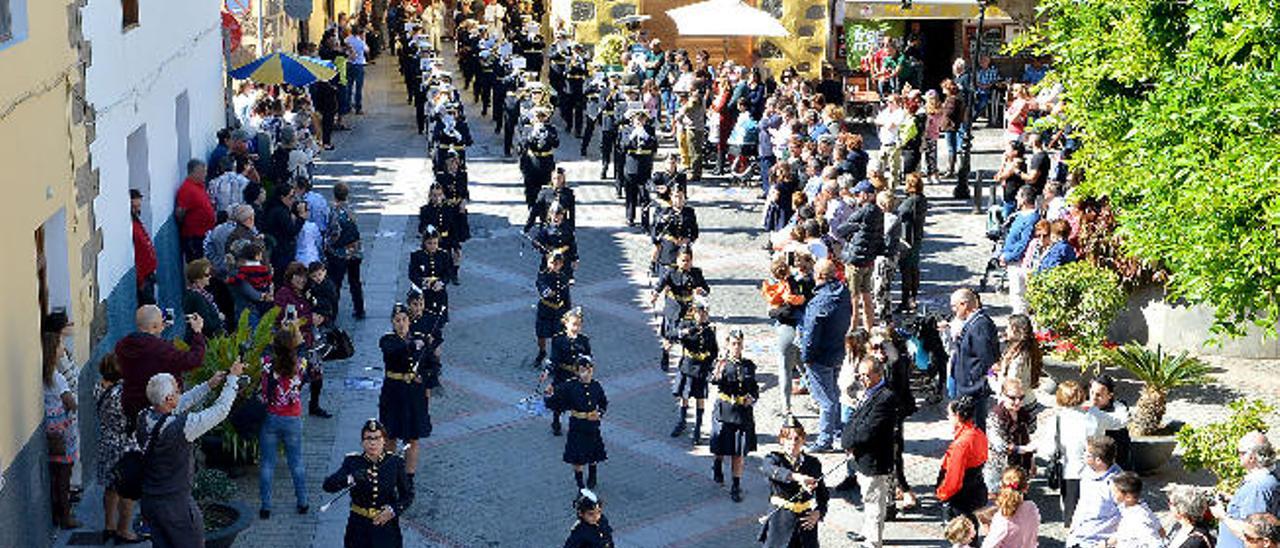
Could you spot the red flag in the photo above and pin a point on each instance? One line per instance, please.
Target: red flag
(232, 27)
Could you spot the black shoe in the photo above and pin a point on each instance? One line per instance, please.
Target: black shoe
(891, 513)
(455, 281)
(302, 510)
(717, 474)
(264, 514)
(855, 536)
(695, 440)
(604, 174)
(735, 494)
(678, 430)
(318, 412)
(537, 361)
(555, 429)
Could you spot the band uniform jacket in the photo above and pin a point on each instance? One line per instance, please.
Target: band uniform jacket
(698, 343)
(562, 362)
(447, 219)
(377, 484)
(553, 301)
(672, 227)
(783, 530)
(585, 535)
(677, 288)
(550, 237)
(737, 380)
(539, 149)
(640, 145)
(870, 430)
(540, 212)
(426, 268)
(583, 444)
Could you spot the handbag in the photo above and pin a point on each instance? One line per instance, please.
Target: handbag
(340, 345)
(1054, 472)
(132, 465)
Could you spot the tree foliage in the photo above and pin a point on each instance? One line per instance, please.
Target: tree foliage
(1178, 103)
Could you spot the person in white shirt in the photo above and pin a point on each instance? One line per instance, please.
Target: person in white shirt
(355, 68)
(226, 191)
(1069, 435)
(1139, 527)
(309, 238)
(889, 156)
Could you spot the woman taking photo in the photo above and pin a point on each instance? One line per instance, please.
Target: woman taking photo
(61, 431)
(296, 304)
(281, 389)
(197, 298)
(381, 491)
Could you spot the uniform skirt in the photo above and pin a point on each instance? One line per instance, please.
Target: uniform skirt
(362, 533)
(584, 445)
(402, 408)
(690, 386)
(732, 440)
(547, 322)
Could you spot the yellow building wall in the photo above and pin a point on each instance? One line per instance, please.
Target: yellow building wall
(808, 23)
(41, 149)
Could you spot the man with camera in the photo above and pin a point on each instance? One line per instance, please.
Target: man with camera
(144, 354)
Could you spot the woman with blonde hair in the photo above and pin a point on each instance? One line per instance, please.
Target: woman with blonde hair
(1016, 521)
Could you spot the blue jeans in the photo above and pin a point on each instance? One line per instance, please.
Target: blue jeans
(277, 429)
(954, 139)
(823, 389)
(344, 99)
(766, 164)
(355, 73)
(788, 359)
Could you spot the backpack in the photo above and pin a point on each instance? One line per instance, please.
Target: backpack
(348, 232)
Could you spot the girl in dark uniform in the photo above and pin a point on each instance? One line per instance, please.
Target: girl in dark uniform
(403, 403)
(678, 286)
(674, 228)
(796, 491)
(429, 267)
(380, 491)
(566, 348)
(556, 236)
(445, 217)
(592, 529)
(698, 343)
(733, 426)
(553, 300)
(586, 403)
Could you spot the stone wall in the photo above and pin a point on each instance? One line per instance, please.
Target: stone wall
(1151, 320)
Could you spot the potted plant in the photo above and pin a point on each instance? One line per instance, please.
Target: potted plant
(1077, 303)
(223, 446)
(1160, 373)
(1213, 446)
(224, 517)
(609, 51)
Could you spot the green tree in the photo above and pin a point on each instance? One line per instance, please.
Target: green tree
(1178, 103)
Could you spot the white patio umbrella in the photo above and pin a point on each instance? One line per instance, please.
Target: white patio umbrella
(725, 18)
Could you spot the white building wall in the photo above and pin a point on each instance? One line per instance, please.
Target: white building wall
(134, 78)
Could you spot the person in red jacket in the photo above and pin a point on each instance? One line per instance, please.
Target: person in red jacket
(194, 211)
(144, 252)
(143, 354)
(961, 488)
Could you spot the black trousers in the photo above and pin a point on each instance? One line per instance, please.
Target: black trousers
(328, 119)
(175, 521)
(508, 134)
(1070, 495)
(340, 268)
(587, 131)
(910, 160)
(633, 189)
(608, 141)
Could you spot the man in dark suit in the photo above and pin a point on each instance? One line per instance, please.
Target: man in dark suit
(974, 351)
(866, 437)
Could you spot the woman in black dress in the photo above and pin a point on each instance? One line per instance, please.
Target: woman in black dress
(698, 344)
(733, 426)
(553, 300)
(429, 269)
(677, 286)
(586, 403)
(566, 348)
(403, 404)
(592, 529)
(796, 491)
(381, 491)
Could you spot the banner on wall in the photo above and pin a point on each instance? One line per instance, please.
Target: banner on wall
(862, 37)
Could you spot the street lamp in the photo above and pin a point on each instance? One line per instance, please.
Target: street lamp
(961, 191)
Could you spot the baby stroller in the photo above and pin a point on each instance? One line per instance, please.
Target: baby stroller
(997, 230)
(743, 167)
(928, 352)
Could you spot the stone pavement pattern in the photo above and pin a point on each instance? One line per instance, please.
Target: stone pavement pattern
(491, 474)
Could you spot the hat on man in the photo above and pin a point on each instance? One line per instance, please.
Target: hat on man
(864, 187)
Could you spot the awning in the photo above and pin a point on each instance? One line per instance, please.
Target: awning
(920, 9)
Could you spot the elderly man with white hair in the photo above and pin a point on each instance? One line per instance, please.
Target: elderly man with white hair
(166, 431)
(1260, 491)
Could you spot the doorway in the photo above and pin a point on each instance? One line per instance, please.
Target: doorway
(939, 49)
(53, 271)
